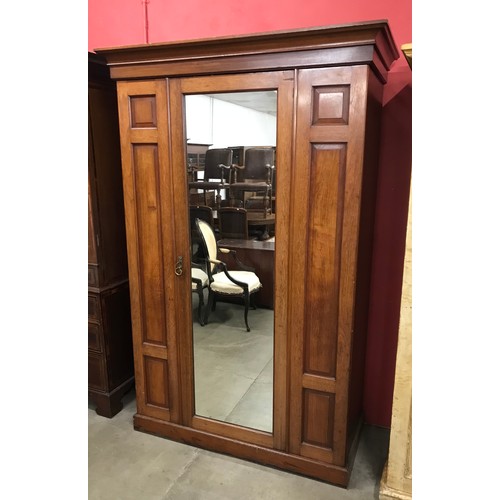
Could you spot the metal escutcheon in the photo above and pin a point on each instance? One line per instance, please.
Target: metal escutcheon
(178, 266)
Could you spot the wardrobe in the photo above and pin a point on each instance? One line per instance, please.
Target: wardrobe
(110, 358)
(329, 84)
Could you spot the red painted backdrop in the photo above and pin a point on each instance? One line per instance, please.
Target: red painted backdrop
(124, 22)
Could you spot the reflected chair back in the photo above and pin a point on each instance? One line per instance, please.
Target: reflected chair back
(256, 160)
(214, 158)
(233, 223)
(208, 241)
(204, 213)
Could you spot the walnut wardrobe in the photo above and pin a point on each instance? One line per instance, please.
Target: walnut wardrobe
(328, 83)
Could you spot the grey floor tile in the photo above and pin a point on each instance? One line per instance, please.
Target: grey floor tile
(242, 355)
(217, 392)
(255, 408)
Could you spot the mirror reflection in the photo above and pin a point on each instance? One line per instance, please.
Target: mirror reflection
(231, 151)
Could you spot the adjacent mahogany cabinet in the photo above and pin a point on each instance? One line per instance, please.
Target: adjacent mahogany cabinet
(328, 83)
(111, 367)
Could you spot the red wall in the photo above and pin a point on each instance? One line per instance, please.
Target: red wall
(122, 22)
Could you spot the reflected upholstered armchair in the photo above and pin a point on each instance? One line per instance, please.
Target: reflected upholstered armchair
(217, 173)
(222, 282)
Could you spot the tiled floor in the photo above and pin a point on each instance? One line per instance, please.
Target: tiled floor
(233, 379)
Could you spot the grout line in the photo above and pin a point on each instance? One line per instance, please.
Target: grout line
(246, 392)
(184, 470)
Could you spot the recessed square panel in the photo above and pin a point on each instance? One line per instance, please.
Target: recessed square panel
(318, 417)
(331, 105)
(143, 111)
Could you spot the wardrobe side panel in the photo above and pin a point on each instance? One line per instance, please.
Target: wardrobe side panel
(364, 265)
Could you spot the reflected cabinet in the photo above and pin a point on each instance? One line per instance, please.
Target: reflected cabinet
(327, 88)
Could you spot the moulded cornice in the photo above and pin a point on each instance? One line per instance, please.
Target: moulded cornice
(327, 45)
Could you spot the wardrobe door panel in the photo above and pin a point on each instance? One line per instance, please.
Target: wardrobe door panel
(327, 183)
(147, 190)
(283, 84)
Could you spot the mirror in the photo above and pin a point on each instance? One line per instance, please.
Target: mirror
(233, 367)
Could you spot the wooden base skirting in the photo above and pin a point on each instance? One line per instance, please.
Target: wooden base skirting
(330, 473)
(387, 493)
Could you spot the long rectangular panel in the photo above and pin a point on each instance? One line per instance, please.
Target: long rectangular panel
(324, 223)
(145, 165)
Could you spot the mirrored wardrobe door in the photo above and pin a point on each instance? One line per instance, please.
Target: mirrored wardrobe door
(231, 183)
(231, 189)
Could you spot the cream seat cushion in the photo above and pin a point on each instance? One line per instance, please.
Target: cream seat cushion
(198, 274)
(223, 284)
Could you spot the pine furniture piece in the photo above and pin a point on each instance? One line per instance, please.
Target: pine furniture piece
(329, 84)
(396, 482)
(110, 358)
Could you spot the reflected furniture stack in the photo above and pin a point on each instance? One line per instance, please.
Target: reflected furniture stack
(248, 180)
(196, 163)
(216, 174)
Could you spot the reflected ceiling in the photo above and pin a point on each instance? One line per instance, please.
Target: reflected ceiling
(264, 102)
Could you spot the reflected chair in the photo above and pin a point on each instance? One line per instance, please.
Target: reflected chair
(233, 223)
(199, 281)
(217, 173)
(257, 175)
(223, 282)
